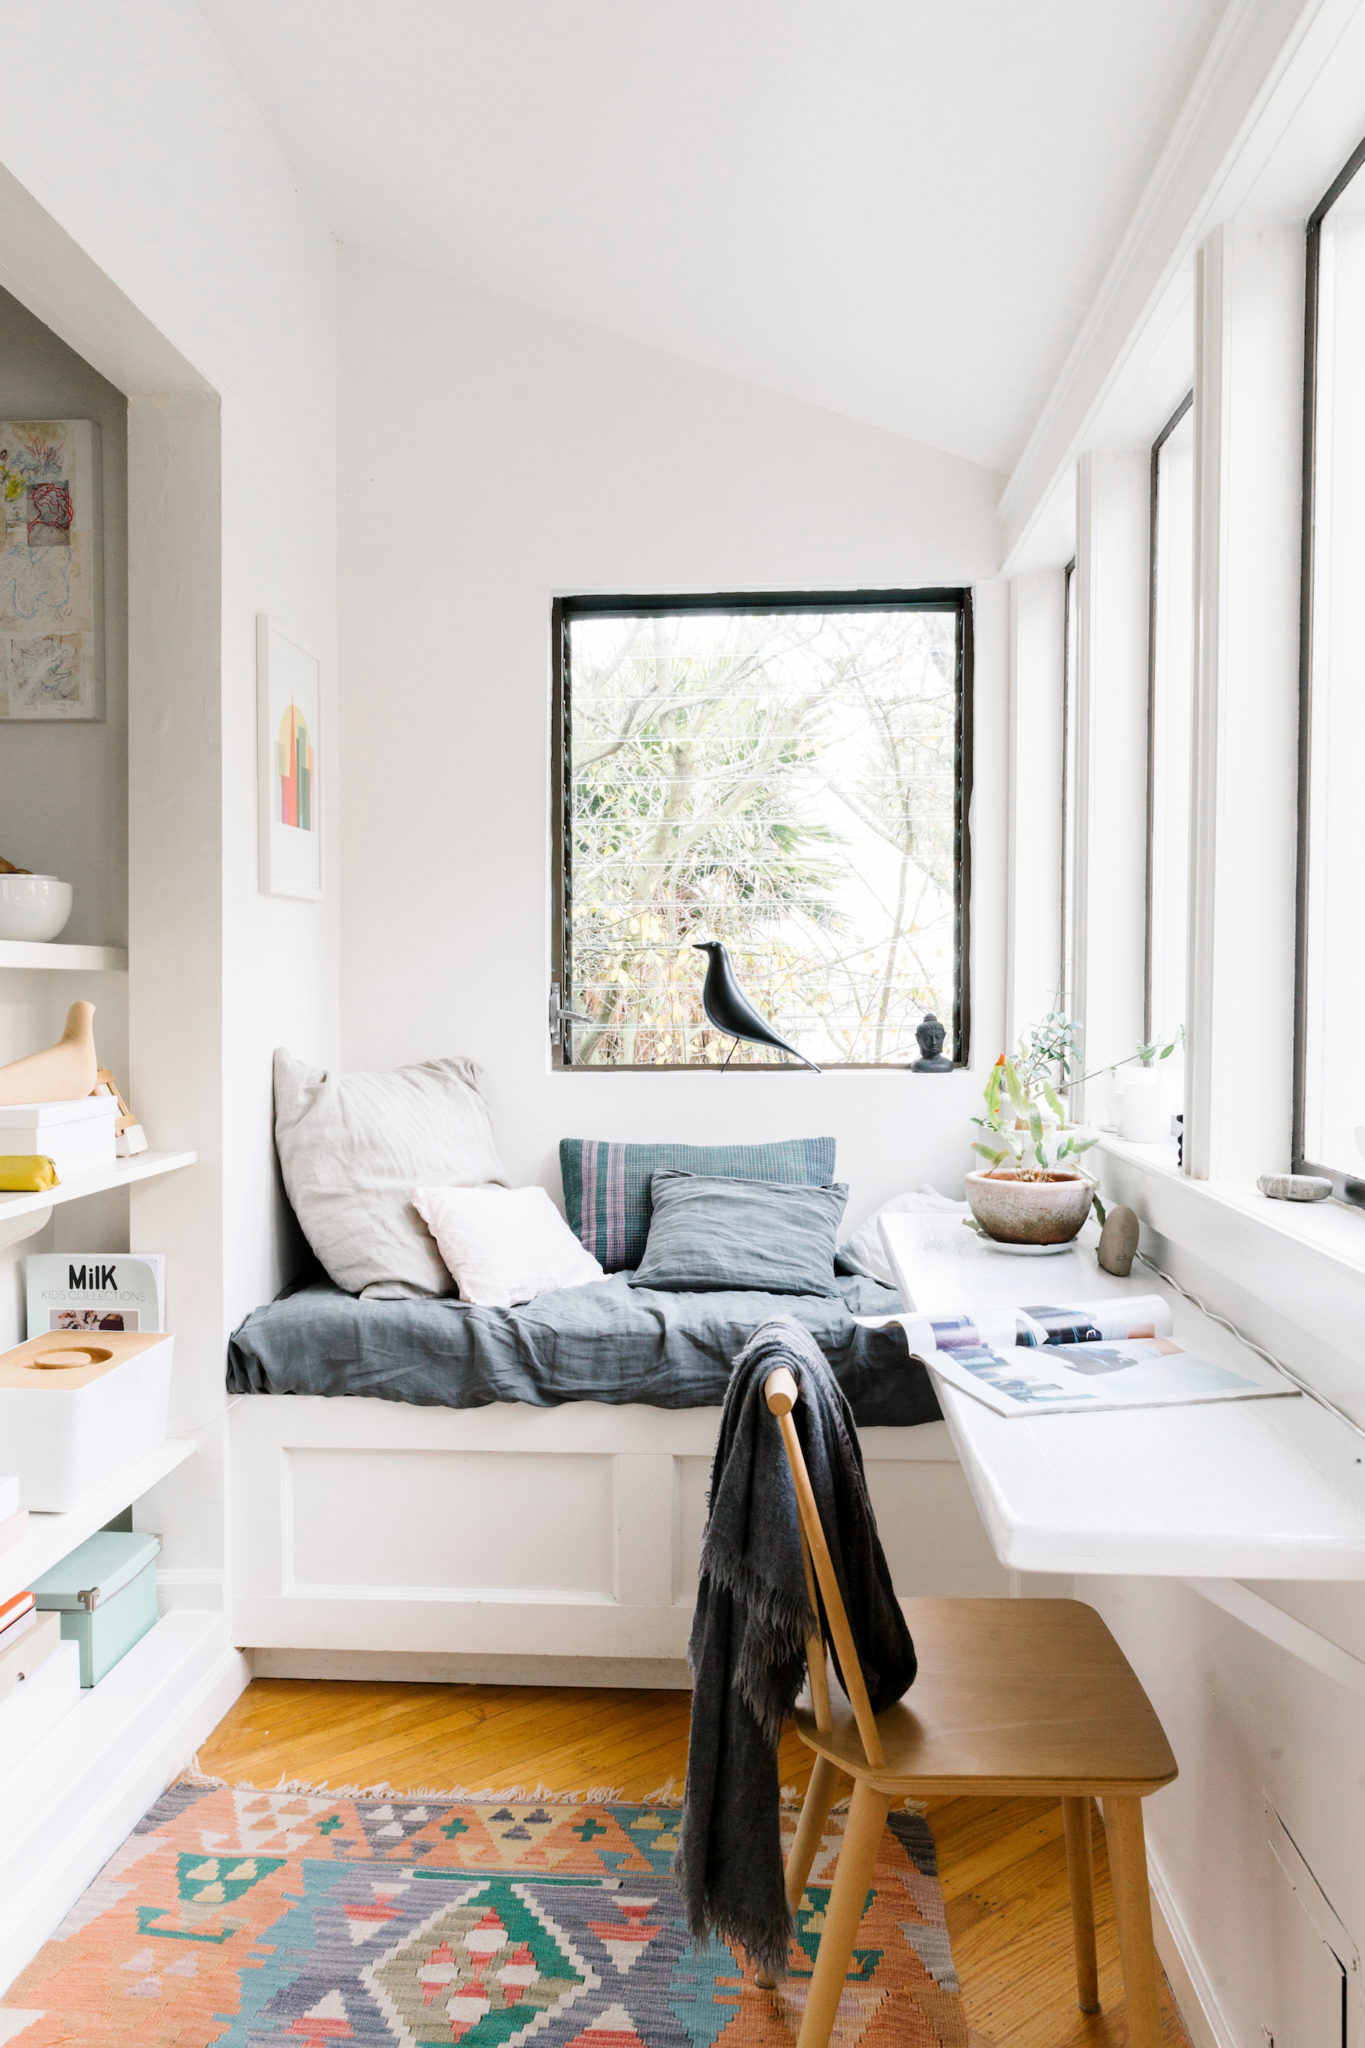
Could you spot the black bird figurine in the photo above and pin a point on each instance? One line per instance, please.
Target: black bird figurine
(729, 1009)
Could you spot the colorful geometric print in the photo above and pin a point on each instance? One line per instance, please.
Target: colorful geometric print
(607, 1187)
(269, 1920)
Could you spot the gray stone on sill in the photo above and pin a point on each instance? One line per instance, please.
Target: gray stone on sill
(1295, 1187)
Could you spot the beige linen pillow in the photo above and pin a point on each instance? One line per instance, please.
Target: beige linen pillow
(505, 1245)
(352, 1149)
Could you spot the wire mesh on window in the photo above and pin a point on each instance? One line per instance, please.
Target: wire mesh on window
(783, 782)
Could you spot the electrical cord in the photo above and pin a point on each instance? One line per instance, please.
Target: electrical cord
(1279, 1365)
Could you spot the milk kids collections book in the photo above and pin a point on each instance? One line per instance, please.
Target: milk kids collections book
(96, 1291)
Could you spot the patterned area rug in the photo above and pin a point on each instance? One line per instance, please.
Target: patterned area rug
(248, 1918)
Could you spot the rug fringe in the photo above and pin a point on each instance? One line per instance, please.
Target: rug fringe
(467, 1795)
(668, 1794)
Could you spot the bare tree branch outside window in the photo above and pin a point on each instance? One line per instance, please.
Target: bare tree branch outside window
(784, 781)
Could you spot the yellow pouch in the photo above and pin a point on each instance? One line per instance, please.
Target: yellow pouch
(26, 1173)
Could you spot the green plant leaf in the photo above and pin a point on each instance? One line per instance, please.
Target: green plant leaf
(1099, 1207)
(1017, 1095)
(1054, 1101)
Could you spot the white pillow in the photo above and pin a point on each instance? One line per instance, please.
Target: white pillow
(863, 1248)
(352, 1149)
(504, 1245)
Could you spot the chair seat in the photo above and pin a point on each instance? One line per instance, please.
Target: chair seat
(1011, 1696)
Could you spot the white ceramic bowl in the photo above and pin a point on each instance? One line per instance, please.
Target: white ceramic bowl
(33, 906)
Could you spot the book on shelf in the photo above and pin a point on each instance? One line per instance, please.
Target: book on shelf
(13, 1615)
(96, 1291)
(1050, 1359)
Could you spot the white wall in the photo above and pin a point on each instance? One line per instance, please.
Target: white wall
(168, 242)
(496, 456)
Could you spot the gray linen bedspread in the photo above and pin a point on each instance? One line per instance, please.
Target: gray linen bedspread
(607, 1341)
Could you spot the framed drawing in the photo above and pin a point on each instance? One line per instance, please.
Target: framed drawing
(51, 610)
(289, 719)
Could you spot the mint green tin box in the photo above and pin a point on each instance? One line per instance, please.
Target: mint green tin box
(105, 1592)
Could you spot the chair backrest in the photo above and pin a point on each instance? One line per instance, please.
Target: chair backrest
(782, 1394)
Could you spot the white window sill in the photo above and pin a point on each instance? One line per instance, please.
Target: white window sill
(1333, 1230)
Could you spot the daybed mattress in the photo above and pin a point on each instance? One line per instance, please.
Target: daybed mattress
(607, 1341)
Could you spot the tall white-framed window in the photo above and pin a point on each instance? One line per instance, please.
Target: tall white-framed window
(1170, 688)
(1329, 1078)
(1066, 966)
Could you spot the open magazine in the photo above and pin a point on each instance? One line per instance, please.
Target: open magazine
(1043, 1360)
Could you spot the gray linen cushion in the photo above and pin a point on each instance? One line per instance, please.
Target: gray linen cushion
(606, 1185)
(352, 1149)
(708, 1235)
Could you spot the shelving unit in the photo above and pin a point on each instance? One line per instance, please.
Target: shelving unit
(74, 1797)
(50, 1537)
(121, 1174)
(51, 953)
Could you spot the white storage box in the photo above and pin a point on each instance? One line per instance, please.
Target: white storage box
(76, 1136)
(67, 1425)
(39, 1704)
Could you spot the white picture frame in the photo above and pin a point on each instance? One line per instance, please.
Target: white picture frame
(51, 572)
(291, 762)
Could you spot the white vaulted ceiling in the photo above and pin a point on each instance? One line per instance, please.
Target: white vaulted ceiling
(899, 209)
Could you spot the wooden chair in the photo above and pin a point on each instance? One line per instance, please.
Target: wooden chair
(1014, 1698)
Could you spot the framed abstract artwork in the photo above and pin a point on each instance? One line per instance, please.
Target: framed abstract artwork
(289, 718)
(51, 604)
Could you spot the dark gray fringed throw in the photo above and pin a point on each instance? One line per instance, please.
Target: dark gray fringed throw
(747, 1649)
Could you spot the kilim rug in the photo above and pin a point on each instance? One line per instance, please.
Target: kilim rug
(248, 1918)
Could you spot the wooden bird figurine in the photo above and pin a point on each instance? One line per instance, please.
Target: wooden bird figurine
(729, 1009)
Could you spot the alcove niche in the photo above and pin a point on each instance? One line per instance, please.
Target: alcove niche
(129, 810)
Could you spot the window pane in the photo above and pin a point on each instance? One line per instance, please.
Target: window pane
(1334, 1011)
(784, 782)
(1172, 685)
(1066, 973)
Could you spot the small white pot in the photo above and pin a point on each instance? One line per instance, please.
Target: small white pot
(1144, 1111)
(33, 906)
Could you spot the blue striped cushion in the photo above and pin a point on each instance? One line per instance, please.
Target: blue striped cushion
(606, 1186)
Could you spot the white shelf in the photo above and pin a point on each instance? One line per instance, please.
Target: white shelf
(50, 1537)
(121, 1174)
(102, 1714)
(51, 953)
(69, 1802)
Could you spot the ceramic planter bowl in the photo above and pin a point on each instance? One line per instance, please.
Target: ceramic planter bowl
(33, 906)
(1017, 1211)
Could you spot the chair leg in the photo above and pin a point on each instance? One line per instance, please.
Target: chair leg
(862, 1836)
(1133, 1910)
(826, 1781)
(1081, 1870)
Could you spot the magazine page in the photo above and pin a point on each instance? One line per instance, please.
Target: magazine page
(1123, 1371)
(1094, 1322)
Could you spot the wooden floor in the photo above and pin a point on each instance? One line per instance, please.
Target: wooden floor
(1002, 1863)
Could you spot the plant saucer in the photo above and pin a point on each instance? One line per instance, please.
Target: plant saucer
(1028, 1251)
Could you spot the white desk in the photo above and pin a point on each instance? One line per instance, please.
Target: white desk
(1264, 1489)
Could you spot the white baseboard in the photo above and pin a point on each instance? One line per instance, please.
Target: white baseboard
(1190, 1987)
(437, 1667)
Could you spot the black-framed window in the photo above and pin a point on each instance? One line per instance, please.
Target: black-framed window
(1066, 965)
(790, 774)
(1329, 1073)
(1170, 688)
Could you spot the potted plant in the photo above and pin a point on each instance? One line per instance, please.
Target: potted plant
(1033, 1190)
